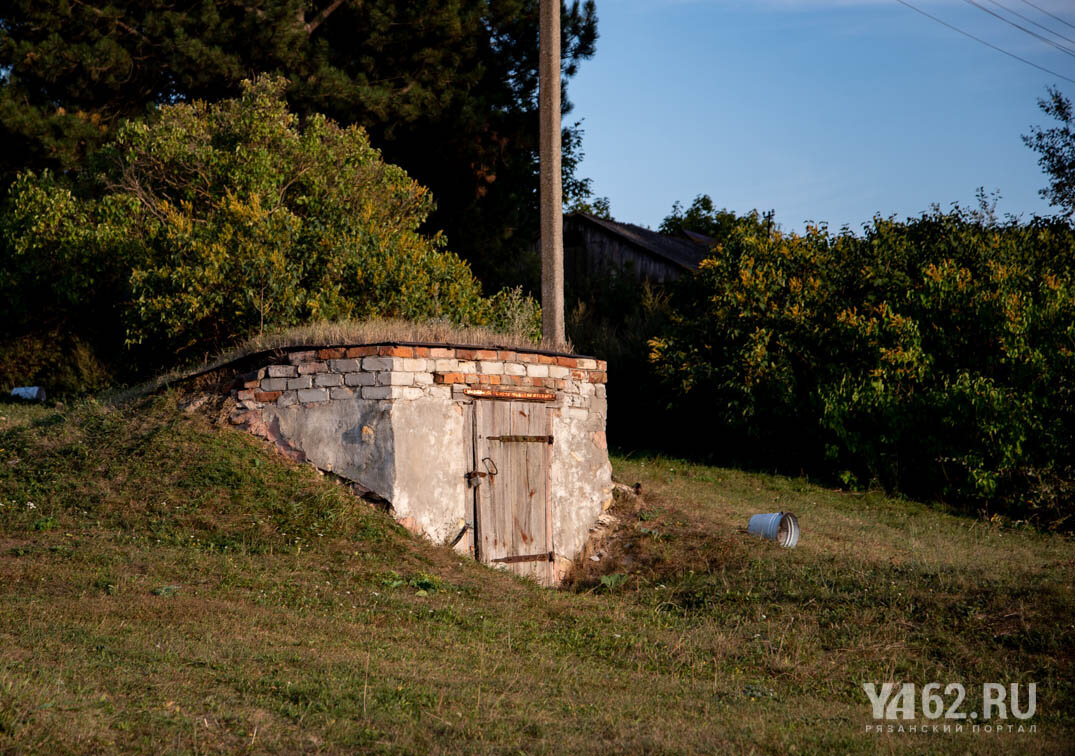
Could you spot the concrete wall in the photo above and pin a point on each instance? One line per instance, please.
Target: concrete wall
(394, 419)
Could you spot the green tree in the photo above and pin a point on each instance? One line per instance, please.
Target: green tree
(1056, 147)
(702, 217)
(446, 88)
(216, 221)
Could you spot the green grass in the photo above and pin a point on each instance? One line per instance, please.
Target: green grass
(176, 588)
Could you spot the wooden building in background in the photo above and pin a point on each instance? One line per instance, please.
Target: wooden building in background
(594, 246)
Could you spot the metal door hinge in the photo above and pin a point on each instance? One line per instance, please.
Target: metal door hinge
(522, 439)
(546, 557)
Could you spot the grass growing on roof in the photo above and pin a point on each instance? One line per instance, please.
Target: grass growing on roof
(335, 333)
(176, 588)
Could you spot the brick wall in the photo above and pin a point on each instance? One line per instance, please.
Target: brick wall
(317, 376)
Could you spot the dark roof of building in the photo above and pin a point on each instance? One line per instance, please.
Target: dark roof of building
(684, 252)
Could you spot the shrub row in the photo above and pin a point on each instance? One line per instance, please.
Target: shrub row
(934, 356)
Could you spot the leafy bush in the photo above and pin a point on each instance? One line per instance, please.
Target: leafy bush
(217, 221)
(516, 313)
(935, 356)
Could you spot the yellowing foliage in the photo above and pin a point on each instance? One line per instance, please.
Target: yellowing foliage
(932, 356)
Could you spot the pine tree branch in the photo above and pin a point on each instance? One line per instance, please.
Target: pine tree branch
(312, 25)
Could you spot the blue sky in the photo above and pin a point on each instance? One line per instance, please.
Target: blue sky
(822, 110)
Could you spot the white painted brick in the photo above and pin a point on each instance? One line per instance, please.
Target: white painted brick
(339, 392)
(328, 379)
(514, 368)
(587, 389)
(415, 365)
(345, 366)
(439, 392)
(313, 395)
(447, 366)
(585, 364)
(376, 392)
(381, 363)
(274, 384)
(406, 392)
(466, 366)
(423, 379)
(601, 390)
(491, 368)
(555, 371)
(575, 413)
(286, 399)
(306, 368)
(302, 382)
(537, 371)
(360, 379)
(282, 371)
(395, 378)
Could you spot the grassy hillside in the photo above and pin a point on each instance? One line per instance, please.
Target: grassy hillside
(167, 585)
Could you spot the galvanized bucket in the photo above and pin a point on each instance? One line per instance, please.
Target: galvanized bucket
(782, 527)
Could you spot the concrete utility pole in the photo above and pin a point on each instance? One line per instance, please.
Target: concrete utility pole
(552, 217)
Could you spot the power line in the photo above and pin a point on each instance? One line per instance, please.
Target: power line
(987, 44)
(1032, 21)
(1034, 34)
(1047, 13)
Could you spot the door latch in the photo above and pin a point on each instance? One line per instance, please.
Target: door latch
(474, 476)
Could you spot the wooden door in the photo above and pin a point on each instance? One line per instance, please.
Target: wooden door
(511, 449)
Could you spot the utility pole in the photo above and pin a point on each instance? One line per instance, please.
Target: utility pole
(552, 217)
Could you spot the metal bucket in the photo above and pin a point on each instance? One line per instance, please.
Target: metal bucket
(782, 527)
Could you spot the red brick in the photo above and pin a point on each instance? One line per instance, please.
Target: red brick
(466, 354)
(421, 351)
(331, 354)
(602, 365)
(470, 378)
(251, 384)
(505, 354)
(597, 376)
(485, 354)
(526, 357)
(448, 377)
(567, 362)
(362, 351)
(395, 351)
(560, 383)
(267, 396)
(578, 375)
(494, 380)
(544, 359)
(245, 395)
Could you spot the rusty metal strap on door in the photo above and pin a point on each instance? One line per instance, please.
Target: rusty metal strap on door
(546, 557)
(522, 439)
(518, 396)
